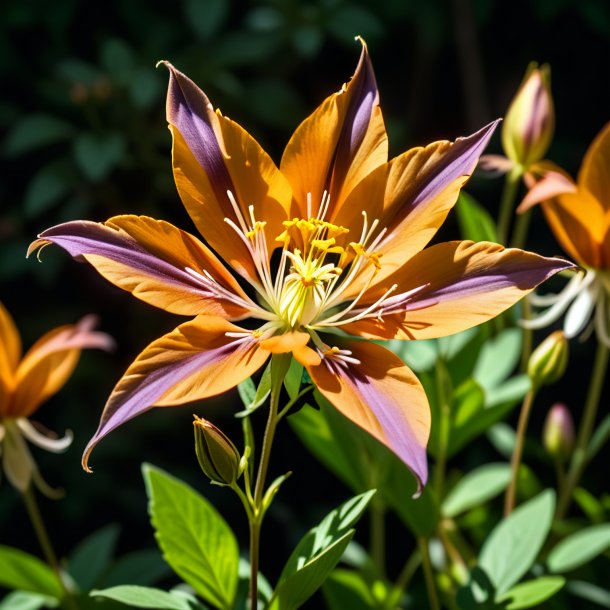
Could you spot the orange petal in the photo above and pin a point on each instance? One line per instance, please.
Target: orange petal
(339, 144)
(212, 155)
(156, 262)
(382, 396)
(10, 352)
(594, 173)
(194, 361)
(455, 285)
(579, 223)
(50, 361)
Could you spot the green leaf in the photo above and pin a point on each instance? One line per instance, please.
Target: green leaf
(579, 548)
(418, 355)
(475, 221)
(205, 17)
(293, 379)
(533, 592)
(98, 154)
(35, 131)
(144, 597)
(599, 439)
(254, 400)
(138, 568)
(92, 556)
(317, 554)
(348, 589)
(498, 358)
(513, 545)
(195, 540)
(45, 189)
(476, 488)
(590, 592)
(23, 600)
(509, 393)
(19, 570)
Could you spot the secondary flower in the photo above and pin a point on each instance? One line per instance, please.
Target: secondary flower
(327, 246)
(25, 383)
(578, 214)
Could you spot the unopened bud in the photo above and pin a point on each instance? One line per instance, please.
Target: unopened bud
(528, 127)
(549, 360)
(217, 455)
(558, 433)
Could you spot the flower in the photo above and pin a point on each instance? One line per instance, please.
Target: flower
(528, 128)
(25, 383)
(577, 213)
(326, 247)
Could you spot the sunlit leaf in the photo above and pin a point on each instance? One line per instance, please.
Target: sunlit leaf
(531, 593)
(579, 548)
(475, 221)
(19, 570)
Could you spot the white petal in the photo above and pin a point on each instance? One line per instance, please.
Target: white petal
(580, 311)
(55, 445)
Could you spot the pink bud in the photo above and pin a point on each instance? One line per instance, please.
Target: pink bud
(558, 433)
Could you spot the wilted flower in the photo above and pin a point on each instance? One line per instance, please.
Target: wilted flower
(578, 216)
(558, 433)
(327, 246)
(25, 383)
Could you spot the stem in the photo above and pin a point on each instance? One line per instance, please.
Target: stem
(403, 580)
(378, 536)
(579, 457)
(29, 499)
(279, 366)
(527, 334)
(522, 225)
(442, 380)
(428, 574)
(507, 203)
(526, 409)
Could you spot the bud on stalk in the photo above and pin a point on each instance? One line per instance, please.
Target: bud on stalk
(528, 127)
(549, 360)
(217, 455)
(558, 432)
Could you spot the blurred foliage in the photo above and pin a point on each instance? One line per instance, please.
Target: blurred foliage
(84, 136)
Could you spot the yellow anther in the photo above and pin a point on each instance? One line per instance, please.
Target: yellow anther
(257, 228)
(373, 257)
(323, 244)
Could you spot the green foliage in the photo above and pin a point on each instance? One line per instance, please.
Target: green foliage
(579, 548)
(512, 547)
(147, 597)
(195, 540)
(475, 221)
(531, 593)
(21, 571)
(23, 600)
(317, 554)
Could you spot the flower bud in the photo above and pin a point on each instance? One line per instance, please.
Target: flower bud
(558, 433)
(530, 121)
(549, 360)
(217, 455)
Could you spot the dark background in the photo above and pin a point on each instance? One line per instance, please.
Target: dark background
(84, 137)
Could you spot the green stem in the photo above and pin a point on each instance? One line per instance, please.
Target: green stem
(428, 574)
(29, 499)
(527, 334)
(579, 457)
(442, 381)
(507, 203)
(511, 492)
(279, 367)
(378, 536)
(522, 225)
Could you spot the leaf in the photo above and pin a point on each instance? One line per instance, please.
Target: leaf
(579, 548)
(19, 570)
(144, 597)
(195, 540)
(418, 355)
(45, 189)
(533, 592)
(22, 600)
(590, 592)
(476, 488)
(475, 221)
(205, 17)
(347, 589)
(254, 399)
(35, 131)
(599, 439)
(293, 379)
(509, 393)
(317, 554)
(513, 545)
(498, 358)
(97, 155)
(92, 556)
(138, 568)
